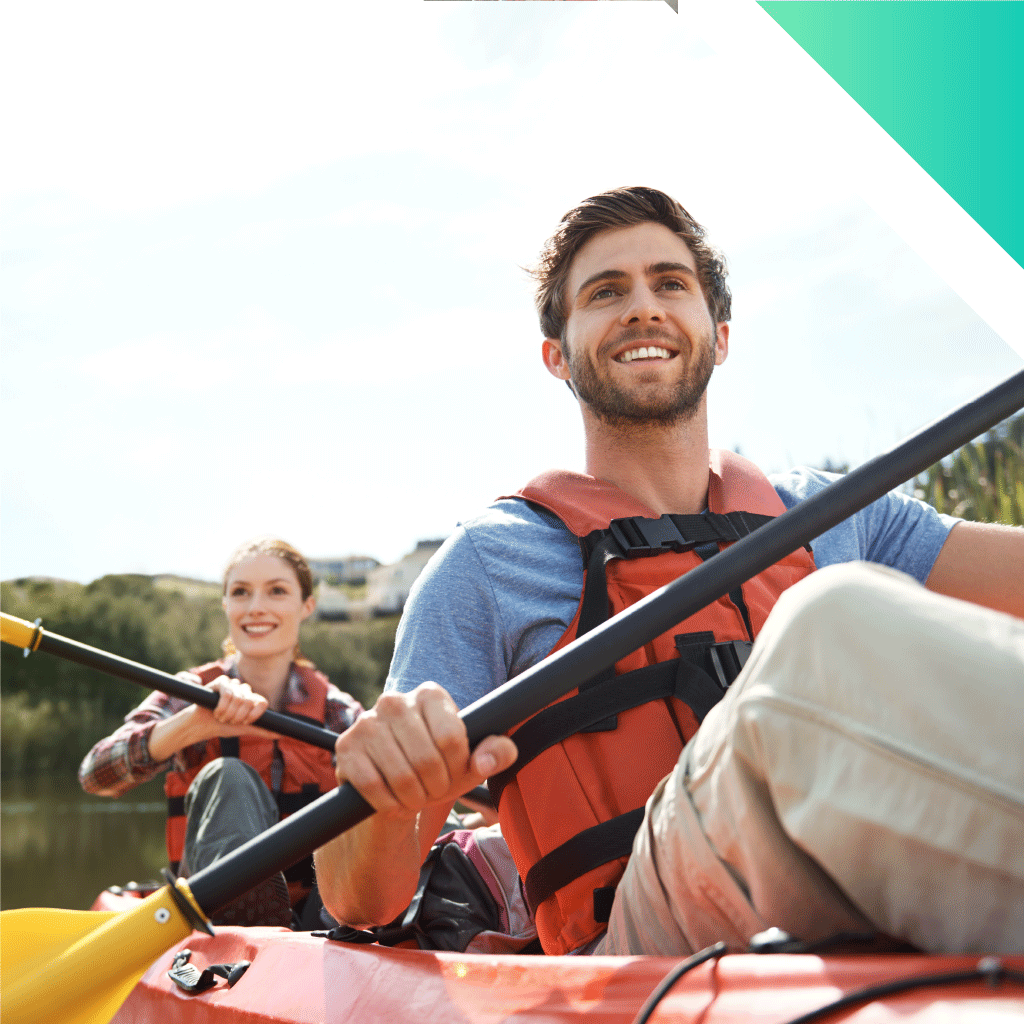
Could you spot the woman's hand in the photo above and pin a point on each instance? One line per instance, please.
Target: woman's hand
(237, 708)
(239, 705)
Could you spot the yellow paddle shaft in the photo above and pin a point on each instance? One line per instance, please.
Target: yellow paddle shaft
(19, 632)
(90, 978)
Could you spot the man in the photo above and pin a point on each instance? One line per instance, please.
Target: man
(865, 770)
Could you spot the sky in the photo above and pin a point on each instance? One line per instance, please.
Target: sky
(263, 270)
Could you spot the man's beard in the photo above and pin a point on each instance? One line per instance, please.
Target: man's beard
(618, 407)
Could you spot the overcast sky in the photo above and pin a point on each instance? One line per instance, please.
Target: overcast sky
(263, 268)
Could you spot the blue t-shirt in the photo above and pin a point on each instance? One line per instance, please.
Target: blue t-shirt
(500, 592)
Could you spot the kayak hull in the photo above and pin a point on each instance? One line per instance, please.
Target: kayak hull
(299, 978)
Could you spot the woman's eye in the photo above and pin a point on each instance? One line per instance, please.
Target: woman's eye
(238, 592)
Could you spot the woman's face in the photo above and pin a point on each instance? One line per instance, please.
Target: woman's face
(264, 605)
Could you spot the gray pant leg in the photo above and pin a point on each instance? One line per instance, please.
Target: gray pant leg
(227, 805)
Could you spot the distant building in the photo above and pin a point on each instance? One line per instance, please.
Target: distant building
(388, 586)
(350, 569)
(333, 602)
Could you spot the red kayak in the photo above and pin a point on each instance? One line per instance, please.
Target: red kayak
(298, 977)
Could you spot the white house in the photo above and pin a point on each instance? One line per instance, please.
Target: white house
(388, 586)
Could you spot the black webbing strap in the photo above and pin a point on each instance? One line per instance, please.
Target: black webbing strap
(228, 746)
(685, 677)
(641, 537)
(638, 537)
(584, 852)
(603, 900)
(289, 803)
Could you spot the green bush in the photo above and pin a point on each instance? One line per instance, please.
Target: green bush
(983, 481)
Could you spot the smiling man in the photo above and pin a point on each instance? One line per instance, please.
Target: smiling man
(831, 747)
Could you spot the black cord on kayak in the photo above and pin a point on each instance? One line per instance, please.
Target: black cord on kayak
(989, 970)
(711, 953)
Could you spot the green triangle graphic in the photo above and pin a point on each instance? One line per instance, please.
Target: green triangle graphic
(942, 78)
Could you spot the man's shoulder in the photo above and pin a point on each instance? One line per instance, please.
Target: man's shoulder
(801, 482)
(509, 527)
(511, 512)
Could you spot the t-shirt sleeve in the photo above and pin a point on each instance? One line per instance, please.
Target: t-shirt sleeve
(897, 530)
(451, 629)
(492, 602)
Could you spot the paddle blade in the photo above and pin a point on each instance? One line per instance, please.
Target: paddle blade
(78, 966)
(16, 631)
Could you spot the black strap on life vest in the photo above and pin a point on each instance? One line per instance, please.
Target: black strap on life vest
(228, 746)
(589, 849)
(640, 537)
(699, 678)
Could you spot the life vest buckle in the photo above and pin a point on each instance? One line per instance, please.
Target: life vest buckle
(727, 659)
(638, 537)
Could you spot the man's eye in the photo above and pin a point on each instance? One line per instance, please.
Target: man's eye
(603, 293)
(674, 285)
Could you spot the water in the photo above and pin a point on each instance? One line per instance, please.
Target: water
(60, 846)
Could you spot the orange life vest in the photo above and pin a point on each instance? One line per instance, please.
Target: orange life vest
(296, 773)
(573, 801)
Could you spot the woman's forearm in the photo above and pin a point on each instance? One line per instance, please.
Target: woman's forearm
(176, 733)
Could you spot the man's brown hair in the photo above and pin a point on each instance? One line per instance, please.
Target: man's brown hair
(620, 208)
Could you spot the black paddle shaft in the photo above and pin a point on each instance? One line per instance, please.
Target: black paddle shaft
(504, 708)
(92, 657)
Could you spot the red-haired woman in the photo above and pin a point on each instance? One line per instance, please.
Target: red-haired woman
(227, 781)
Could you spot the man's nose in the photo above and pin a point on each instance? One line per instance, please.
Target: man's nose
(643, 307)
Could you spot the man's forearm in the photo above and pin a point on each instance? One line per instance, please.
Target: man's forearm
(368, 875)
(983, 563)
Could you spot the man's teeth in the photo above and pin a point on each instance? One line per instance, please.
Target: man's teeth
(652, 352)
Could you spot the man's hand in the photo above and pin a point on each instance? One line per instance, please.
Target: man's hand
(411, 750)
(409, 758)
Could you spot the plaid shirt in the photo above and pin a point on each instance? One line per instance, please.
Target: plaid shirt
(121, 761)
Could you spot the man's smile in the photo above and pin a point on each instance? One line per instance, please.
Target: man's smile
(644, 352)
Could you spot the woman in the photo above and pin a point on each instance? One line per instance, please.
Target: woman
(227, 781)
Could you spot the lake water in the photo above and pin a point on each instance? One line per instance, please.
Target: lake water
(62, 846)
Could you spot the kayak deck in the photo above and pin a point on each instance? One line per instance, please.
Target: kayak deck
(297, 977)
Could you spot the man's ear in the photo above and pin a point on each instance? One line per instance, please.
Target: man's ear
(554, 358)
(721, 343)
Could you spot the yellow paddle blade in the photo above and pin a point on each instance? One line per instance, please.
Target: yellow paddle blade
(78, 966)
(17, 631)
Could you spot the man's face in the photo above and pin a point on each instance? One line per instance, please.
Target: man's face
(640, 343)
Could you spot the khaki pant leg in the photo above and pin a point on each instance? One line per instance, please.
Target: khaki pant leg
(865, 770)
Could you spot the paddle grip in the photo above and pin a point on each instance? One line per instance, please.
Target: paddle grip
(504, 708)
(123, 668)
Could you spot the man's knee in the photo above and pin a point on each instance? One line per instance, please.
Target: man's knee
(835, 597)
(820, 628)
